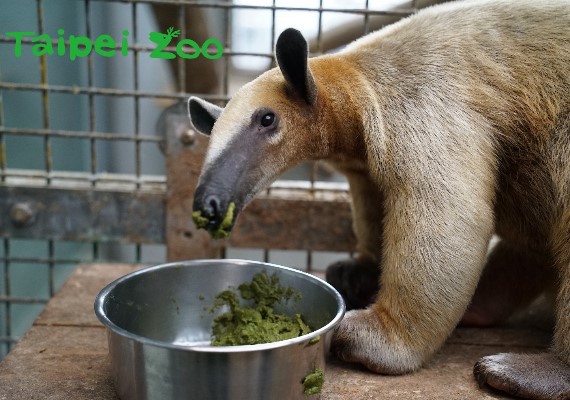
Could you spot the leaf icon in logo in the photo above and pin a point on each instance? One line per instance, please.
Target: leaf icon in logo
(172, 33)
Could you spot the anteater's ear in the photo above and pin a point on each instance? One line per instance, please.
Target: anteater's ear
(203, 114)
(292, 54)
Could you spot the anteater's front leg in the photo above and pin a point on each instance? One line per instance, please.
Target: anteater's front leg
(434, 249)
(357, 278)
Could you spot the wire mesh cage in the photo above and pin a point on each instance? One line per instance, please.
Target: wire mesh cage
(84, 153)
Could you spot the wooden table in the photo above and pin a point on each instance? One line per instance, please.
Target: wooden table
(64, 355)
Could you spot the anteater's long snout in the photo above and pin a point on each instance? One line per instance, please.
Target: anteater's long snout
(213, 211)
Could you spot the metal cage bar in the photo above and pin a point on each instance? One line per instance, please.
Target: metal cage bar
(2, 144)
(45, 96)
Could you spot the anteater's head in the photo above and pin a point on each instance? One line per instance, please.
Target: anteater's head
(269, 126)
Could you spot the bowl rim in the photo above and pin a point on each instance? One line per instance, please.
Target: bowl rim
(112, 327)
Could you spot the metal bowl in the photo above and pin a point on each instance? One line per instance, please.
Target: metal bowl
(159, 334)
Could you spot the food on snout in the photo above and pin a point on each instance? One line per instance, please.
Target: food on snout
(223, 231)
(200, 221)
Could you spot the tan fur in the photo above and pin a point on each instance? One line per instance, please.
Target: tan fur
(506, 128)
(450, 125)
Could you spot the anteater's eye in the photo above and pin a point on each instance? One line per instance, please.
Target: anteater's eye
(267, 119)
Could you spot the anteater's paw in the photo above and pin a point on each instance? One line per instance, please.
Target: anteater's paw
(360, 338)
(530, 376)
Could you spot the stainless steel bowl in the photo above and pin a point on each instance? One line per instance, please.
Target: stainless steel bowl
(159, 334)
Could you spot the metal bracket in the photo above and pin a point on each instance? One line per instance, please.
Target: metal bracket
(42, 212)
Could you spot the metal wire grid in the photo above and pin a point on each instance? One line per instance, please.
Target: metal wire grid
(10, 259)
(91, 91)
(51, 257)
(46, 89)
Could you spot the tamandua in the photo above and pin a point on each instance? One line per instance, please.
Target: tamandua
(451, 125)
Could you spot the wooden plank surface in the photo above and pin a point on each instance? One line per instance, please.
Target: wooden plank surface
(64, 355)
(296, 224)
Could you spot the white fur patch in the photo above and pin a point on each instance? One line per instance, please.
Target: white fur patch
(370, 346)
(226, 130)
(219, 140)
(235, 117)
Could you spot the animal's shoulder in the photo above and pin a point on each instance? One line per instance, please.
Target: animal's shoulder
(473, 19)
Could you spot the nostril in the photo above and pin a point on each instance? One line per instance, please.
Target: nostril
(212, 203)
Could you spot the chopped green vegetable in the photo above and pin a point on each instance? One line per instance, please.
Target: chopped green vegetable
(313, 383)
(314, 340)
(223, 231)
(201, 222)
(243, 325)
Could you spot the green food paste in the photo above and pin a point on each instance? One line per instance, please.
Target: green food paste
(201, 222)
(257, 322)
(313, 383)
(314, 340)
(223, 231)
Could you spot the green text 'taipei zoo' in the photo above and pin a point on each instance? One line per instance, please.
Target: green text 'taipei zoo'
(77, 46)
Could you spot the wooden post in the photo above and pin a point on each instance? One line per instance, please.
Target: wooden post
(185, 149)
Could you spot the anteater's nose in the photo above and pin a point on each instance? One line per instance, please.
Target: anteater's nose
(212, 209)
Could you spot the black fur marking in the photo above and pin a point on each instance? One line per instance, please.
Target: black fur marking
(292, 52)
(531, 376)
(356, 280)
(203, 114)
